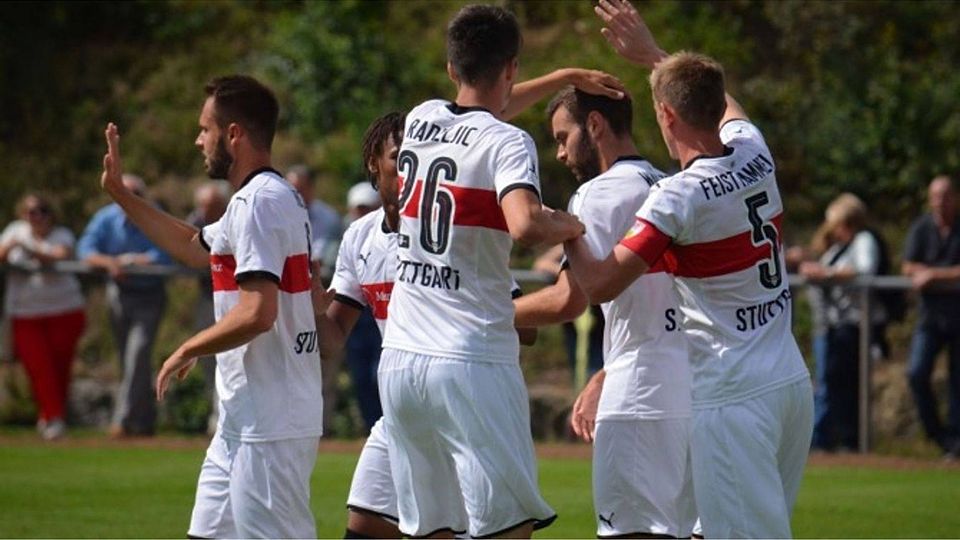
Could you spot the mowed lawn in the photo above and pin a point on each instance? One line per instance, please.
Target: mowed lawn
(103, 491)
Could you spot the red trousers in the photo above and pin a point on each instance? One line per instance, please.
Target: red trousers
(46, 345)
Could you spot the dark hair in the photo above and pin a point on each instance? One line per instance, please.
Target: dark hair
(617, 112)
(481, 41)
(243, 100)
(374, 140)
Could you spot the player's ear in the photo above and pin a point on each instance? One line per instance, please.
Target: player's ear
(666, 113)
(234, 132)
(452, 73)
(595, 125)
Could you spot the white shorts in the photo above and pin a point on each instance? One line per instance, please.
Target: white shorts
(372, 487)
(460, 438)
(642, 480)
(748, 459)
(255, 490)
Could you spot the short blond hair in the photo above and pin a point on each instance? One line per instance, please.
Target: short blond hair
(693, 85)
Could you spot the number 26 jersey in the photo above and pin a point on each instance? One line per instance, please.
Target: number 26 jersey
(452, 297)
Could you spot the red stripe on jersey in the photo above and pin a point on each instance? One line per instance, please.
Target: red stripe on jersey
(295, 278)
(377, 296)
(473, 207)
(647, 241)
(724, 256)
(296, 274)
(222, 270)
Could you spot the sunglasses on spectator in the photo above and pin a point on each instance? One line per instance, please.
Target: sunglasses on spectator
(38, 211)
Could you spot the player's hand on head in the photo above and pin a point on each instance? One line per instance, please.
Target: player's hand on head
(112, 178)
(597, 82)
(627, 33)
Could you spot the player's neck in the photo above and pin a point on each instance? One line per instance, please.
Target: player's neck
(610, 152)
(698, 144)
(245, 164)
(490, 99)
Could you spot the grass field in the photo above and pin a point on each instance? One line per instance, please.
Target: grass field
(91, 489)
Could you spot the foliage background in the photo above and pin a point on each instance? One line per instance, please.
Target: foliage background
(852, 96)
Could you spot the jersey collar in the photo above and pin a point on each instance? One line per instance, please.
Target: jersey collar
(255, 173)
(628, 158)
(726, 152)
(460, 109)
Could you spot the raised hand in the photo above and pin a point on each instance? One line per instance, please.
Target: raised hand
(112, 178)
(627, 33)
(596, 82)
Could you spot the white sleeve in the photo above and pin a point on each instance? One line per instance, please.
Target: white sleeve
(668, 209)
(208, 233)
(740, 129)
(345, 280)
(600, 209)
(516, 165)
(865, 254)
(11, 231)
(259, 241)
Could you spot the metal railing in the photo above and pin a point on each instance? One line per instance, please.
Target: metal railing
(864, 285)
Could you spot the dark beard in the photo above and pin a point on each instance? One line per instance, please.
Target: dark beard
(220, 162)
(587, 165)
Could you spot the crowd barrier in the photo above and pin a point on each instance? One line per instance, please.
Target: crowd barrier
(864, 285)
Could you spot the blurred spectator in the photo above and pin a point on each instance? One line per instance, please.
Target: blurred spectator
(209, 204)
(847, 249)
(324, 221)
(364, 343)
(932, 256)
(136, 304)
(46, 308)
(590, 323)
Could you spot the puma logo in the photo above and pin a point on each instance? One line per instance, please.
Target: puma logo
(608, 521)
(363, 258)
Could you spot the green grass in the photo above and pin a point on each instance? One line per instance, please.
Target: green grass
(83, 492)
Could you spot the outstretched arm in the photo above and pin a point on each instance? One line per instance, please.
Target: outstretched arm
(558, 303)
(530, 223)
(629, 35)
(604, 280)
(591, 81)
(176, 237)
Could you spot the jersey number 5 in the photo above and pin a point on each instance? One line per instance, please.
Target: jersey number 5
(771, 275)
(436, 203)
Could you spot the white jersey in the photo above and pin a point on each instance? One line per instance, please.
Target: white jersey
(644, 352)
(366, 265)
(269, 388)
(452, 292)
(722, 216)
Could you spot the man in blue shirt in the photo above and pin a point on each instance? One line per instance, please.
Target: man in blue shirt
(136, 302)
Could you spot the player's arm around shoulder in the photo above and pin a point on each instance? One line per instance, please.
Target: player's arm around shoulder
(531, 224)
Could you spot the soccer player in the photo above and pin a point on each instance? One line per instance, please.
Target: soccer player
(720, 216)
(255, 480)
(454, 401)
(641, 473)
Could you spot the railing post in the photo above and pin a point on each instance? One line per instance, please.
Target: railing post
(865, 375)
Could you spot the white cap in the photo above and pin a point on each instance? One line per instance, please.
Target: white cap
(363, 194)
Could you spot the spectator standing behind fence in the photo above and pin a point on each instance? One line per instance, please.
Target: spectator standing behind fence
(324, 221)
(46, 309)
(364, 344)
(847, 249)
(209, 204)
(136, 303)
(932, 257)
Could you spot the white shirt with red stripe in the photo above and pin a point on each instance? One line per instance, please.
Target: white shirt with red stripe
(269, 388)
(452, 291)
(366, 265)
(645, 354)
(721, 219)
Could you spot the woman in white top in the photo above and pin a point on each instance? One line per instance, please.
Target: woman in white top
(45, 307)
(847, 249)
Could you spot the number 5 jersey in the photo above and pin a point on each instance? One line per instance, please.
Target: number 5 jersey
(721, 218)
